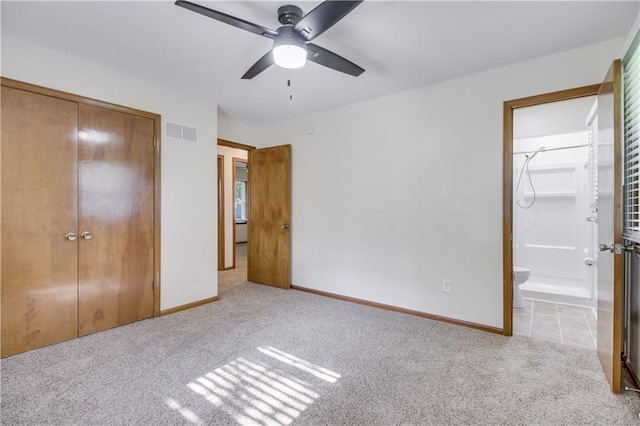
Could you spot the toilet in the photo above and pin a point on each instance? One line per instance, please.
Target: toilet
(520, 276)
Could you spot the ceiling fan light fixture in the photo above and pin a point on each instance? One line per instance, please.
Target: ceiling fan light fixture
(289, 50)
(289, 56)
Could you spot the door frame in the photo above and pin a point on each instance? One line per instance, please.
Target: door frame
(507, 188)
(221, 251)
(157, 120)
(235, 145)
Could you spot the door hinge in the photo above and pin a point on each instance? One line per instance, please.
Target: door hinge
(155, 142)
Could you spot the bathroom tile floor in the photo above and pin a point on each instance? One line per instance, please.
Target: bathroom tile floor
(565, 324)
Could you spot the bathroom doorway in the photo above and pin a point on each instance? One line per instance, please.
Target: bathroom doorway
(554, 221)
(550, 219)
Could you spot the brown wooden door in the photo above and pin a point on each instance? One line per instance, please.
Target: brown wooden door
(39, 201)
(610, 266)
(116, 206)
(269, 239)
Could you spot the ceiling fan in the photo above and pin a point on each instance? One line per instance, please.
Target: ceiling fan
(291, 42)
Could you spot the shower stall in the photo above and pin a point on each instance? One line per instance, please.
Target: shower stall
(554, 213)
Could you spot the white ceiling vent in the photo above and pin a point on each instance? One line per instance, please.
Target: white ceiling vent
(178, 131)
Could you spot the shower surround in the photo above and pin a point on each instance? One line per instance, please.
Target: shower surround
(552, 233)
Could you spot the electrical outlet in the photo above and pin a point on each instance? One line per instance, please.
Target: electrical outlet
(446, 285)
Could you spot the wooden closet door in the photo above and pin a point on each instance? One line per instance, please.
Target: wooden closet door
(39, 207)
(116, 206)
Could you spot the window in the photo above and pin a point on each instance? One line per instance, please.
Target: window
(631, 135)
(240, 203)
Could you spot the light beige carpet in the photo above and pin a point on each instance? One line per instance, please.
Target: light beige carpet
(266, 356)
(229, 278)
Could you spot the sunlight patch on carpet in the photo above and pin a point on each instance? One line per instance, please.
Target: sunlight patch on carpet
(301, 364)
(256, 393)
(184, 412)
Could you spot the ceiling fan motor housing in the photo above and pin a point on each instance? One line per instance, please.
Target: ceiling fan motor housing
(286, 36)
(289, 14)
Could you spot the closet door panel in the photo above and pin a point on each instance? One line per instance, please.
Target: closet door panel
(116, 206)
(39, 207)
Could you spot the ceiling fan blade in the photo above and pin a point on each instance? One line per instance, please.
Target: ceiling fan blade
(227, 19)
(263, 63)
(323, 17)
(329, 59)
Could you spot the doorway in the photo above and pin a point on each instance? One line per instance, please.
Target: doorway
(509, 184)
(232, 226)
(258, 196)
(554, 222)
(221, 221)
(229, 278)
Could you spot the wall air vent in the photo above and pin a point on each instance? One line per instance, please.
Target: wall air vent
(189, 134)
(178, 131)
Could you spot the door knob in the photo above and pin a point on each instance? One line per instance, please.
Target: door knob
(86, 235)
(605, 247)
(285, 226)
(590, 261)
(71, 236)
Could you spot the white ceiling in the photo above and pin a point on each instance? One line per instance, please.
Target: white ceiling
(401, 45)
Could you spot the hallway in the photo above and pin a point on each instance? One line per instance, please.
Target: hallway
(232, 277)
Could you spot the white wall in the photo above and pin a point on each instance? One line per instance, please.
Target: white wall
(389, 195)
(229, 222)
(392, 195)
(236, 131)
(188, 205)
